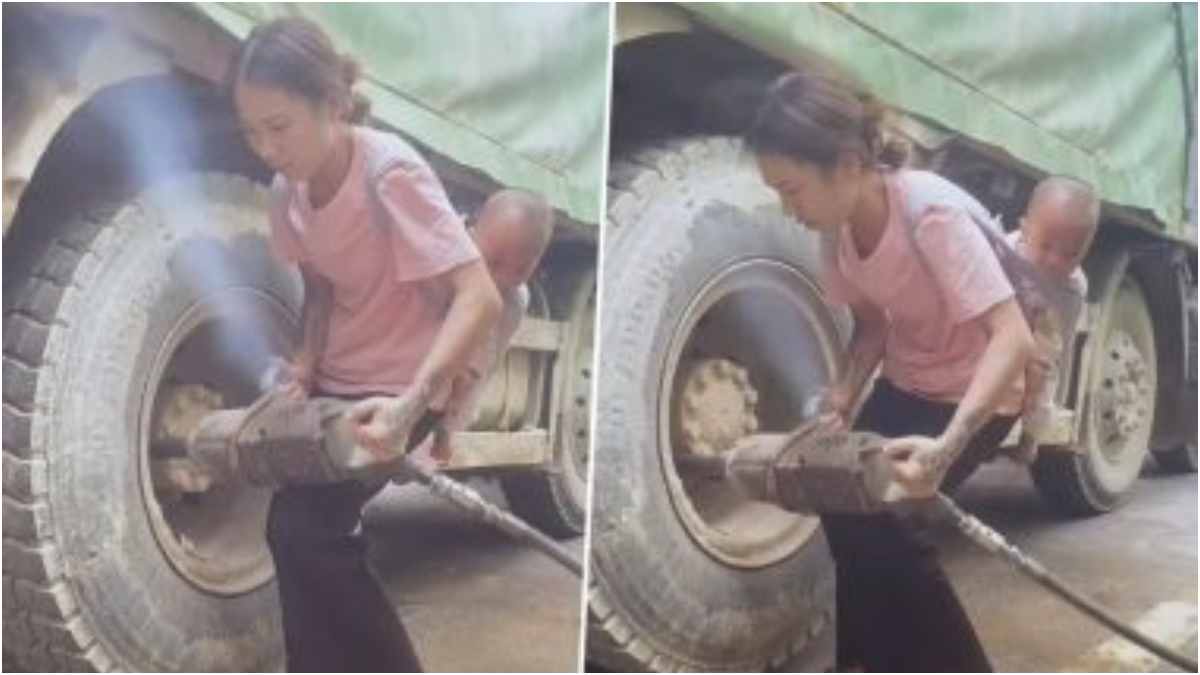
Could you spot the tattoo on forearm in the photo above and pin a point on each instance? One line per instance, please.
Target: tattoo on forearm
(939, 462)
(865, 355)
(433, 381)
(963, 427)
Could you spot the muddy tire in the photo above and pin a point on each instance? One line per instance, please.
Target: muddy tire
(92, 577)
(555, 501)
(1119, 412)
(683, 578)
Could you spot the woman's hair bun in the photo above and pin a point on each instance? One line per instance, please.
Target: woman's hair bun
(350, 70)
(360, 108)
(893, 153)
(817, 114)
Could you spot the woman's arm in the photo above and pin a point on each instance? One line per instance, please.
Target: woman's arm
(1009, 349)
(382, 422)
(865, 353)
(921, 463)
(473, 312)
(314, 331)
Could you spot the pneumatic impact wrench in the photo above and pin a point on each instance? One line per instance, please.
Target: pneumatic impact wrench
(276, 442)
(817, 470)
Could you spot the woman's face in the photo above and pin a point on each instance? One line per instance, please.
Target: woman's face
(821, 199)
(291, 134)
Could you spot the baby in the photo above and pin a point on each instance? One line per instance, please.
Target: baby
(512, 232)
(1055, 235)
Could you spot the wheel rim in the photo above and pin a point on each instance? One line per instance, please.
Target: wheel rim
(762, 318)
(213, 538)
(578, 422)
(1123, 390)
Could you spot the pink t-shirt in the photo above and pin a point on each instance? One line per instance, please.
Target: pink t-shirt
(384, 259)
(936, 335)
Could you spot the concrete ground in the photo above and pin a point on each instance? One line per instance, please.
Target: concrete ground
(472, 599)
(476, 601)
(1139, 561)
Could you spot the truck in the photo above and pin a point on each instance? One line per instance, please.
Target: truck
(139, 290)
(713, 324)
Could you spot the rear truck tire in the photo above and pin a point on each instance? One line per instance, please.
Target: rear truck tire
(123, 327)
(1181, 459)
(712, 328)
(1118, 410)
(555, 500)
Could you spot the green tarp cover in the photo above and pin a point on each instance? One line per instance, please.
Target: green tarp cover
(1094, 91)
(517, 91)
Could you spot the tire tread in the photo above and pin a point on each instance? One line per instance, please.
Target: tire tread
(43, 627)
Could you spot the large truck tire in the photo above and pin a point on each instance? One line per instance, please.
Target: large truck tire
(556, 500)
(148, 308)
(712, 328)
(1181, 458)
(1118, 411)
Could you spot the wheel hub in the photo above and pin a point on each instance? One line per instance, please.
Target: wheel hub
(729, 373)
(1123, 399)
(210, 532)
(715, 407)
(183, 406)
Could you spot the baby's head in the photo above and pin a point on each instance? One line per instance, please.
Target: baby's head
(1059, 224)
(512, 232)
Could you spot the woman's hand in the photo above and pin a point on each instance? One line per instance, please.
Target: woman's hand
(834, 407)
(382, 423)
(298, 377)
(293, 379)
(919, 463)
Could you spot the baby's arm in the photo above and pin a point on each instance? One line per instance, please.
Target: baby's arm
(1036, 369)
(1040, 382)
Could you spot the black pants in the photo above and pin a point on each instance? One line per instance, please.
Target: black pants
(897, 611)
(336, 617)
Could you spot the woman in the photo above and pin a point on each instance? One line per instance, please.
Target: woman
(396, 299)
(945, 325)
